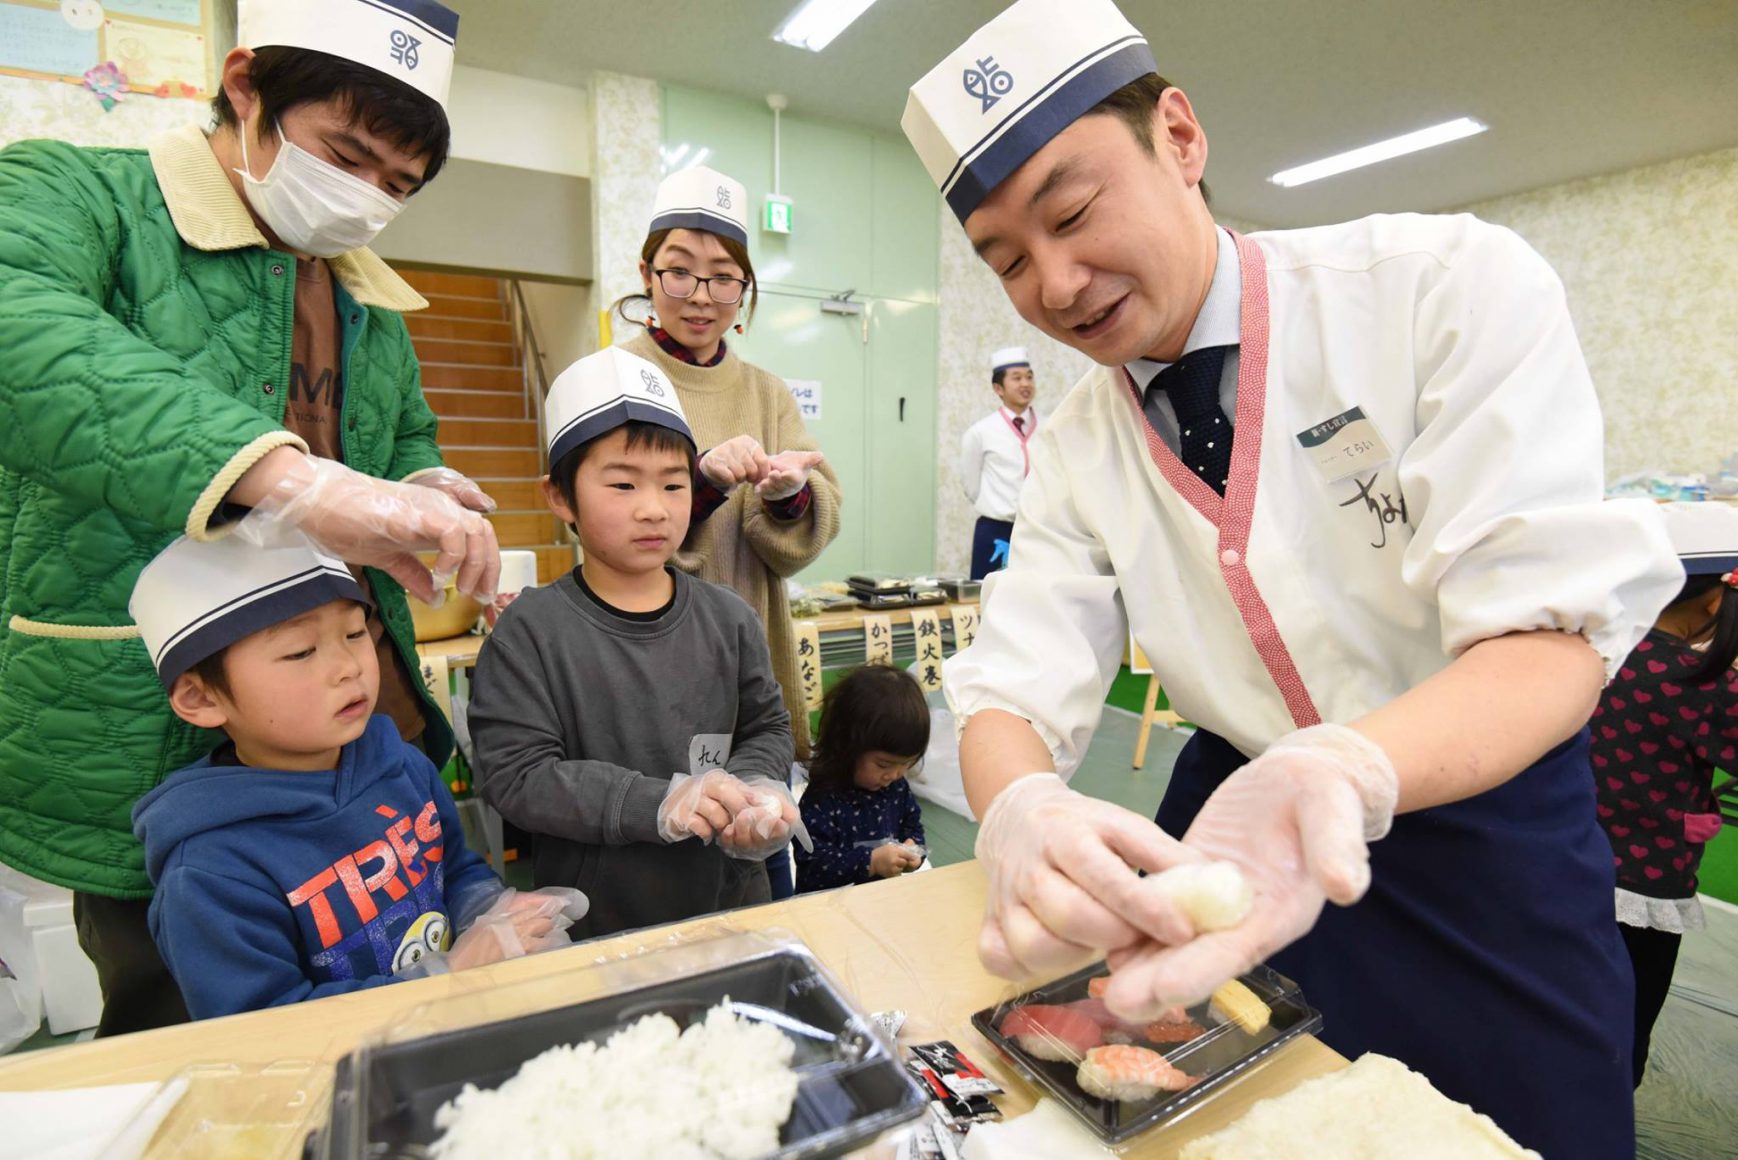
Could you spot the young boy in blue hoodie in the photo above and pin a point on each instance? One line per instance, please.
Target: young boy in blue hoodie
(315, 852)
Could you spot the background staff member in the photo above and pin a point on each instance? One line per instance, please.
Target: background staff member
(191, 331)
(1389, 600)
(994, 461)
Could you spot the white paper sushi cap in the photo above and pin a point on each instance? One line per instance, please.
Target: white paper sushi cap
(601, 392)
(1012, 86)
(1009, 356)
(198, 597)
(1704, 535)
(701, 199)
(408, 40)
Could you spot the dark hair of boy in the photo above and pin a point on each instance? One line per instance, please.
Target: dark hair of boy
(738, 254)
(656, 436)
(1720, 631)
(1133, 106)
(211, 672)
(287, 77)
(872, 708)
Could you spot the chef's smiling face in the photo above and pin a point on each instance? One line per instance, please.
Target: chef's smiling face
(1104, 245)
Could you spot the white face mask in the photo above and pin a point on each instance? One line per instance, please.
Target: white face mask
(314, 207)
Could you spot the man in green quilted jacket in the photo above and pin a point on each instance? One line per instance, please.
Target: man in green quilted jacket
(195, 340)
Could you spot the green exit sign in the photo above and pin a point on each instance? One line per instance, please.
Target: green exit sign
(777, 215)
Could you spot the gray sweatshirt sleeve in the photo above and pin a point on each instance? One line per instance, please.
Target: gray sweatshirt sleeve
(762, 746)
(516, 730)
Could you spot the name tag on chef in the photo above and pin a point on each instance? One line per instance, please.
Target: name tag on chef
(1344, 445)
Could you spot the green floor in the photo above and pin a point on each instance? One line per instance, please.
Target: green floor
(1719, 874)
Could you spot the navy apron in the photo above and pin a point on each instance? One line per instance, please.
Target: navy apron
(1485, 955)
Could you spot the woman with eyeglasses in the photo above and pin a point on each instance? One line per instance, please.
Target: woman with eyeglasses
(765, 502)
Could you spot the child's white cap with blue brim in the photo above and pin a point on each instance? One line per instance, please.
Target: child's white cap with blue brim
(603, 391)
(198, 597)
(1013, 85)
(698, 198)
(1704, 535)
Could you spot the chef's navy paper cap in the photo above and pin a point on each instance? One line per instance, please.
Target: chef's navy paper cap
(603, 391)
(701, 199)
(408, 40)
(199, 597)
(1704, 535)
(1013, 85)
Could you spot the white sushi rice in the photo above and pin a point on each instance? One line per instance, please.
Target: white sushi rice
(721, 1089)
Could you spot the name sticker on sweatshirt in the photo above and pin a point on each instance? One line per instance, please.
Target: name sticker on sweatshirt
(707, 752)
(1344, 445)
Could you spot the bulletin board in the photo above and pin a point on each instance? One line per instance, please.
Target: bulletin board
(153, 47)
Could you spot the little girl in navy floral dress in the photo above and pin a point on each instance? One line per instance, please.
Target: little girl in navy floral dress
(1662, 727)
(859, 809)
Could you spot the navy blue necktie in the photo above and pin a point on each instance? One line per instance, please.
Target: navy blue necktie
(1193, 387)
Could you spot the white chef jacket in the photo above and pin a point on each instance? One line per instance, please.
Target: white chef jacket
(993, 464)
(1296, 599)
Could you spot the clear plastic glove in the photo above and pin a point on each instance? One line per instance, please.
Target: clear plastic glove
(515, 924)
(700, 807)
(1297, 820)
(738, 460)
(787, 473)
(462, 488)
(379, 523)
(1064, 887)
(891, 859)
(769, 821)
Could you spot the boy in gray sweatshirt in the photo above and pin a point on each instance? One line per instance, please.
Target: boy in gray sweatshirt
(627, 715)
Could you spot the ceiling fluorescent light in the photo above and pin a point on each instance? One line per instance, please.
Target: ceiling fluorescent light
(1380, 151)
(816, 22)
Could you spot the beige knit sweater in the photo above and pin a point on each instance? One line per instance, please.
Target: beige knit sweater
(740, 544)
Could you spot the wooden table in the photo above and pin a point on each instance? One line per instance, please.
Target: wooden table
(906, 944)
(460, 652)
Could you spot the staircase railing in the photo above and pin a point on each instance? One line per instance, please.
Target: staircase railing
(535, 381)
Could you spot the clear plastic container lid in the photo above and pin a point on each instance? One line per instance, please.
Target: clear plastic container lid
(1139, 1076)
(851, 1085)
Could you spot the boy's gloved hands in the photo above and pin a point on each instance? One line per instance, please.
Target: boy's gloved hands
(700, 807)
(515, 924)
(766, 824)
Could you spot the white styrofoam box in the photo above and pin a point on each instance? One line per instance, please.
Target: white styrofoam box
(40, 944)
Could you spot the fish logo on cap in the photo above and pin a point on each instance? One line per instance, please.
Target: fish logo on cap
(989, 82)
(404, 47)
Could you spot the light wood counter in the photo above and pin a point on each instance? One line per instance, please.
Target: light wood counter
(908, 944)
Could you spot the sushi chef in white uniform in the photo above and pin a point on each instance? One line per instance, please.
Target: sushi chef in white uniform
(1345, 484)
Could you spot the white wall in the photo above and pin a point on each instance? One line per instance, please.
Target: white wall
(509, 120)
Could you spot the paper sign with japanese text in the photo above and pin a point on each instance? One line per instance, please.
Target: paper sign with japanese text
(809, 662)
(965, 625)
(926, 636)
(878, 640)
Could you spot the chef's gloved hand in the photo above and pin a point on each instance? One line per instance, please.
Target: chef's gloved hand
(700, 807)
(462, 488)
(1298, 821)
(764, 826)
(787, 473)
(738, 460)
(379, 523)
(1064, 886)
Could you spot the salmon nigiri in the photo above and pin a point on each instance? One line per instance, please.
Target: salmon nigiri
(1128, 1074)
(1055, 1033)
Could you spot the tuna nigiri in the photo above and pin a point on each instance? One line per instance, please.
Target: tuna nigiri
(1128, 1074)
(1172, 1026)
(1055, 1033)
